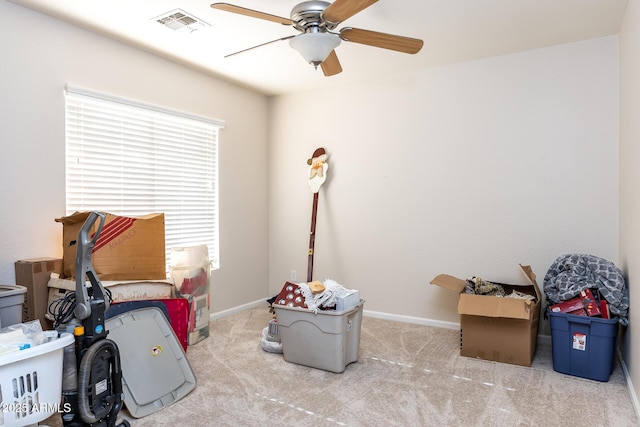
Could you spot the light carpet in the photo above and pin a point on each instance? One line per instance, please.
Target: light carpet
(407, 375)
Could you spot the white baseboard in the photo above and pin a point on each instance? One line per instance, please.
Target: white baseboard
(411, 319)
(630, 389)
(238, 309)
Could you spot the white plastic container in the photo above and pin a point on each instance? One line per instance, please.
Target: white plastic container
(190, 270)
(328, 340)
(11, 301)
(31, 383)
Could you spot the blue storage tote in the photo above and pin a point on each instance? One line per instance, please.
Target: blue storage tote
(583, 346)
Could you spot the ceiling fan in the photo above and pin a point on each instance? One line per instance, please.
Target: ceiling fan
(317, 22)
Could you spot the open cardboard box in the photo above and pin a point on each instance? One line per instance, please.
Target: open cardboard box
(128, 248)
(497, 328)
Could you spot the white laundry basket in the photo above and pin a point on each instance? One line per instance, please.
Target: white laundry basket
(31, 383)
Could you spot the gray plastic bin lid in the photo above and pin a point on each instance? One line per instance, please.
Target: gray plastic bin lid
(11, 300)
(10, 290)
(155, 369)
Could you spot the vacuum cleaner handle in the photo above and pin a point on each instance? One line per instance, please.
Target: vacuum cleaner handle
(86, 228)
(84, 250)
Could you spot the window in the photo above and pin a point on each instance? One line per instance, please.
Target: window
(129, 158)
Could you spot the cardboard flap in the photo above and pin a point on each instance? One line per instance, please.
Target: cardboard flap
(532, 278)
(490, 306)
(81, 217)
(75, 218)
(449, 282)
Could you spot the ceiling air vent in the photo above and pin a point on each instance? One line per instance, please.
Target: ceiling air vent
(179, 20)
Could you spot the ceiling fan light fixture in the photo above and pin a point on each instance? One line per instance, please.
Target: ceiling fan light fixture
(315, 47)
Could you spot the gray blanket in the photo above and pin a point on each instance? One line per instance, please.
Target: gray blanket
(572, 273)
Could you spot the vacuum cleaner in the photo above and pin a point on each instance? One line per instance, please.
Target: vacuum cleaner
(92, 377)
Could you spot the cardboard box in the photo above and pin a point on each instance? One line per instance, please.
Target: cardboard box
(34, 274)
(128, 248)
(497, 328)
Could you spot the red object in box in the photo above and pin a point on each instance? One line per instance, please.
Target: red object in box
(195, 286)
(291, 296)
(582, 305)
(178, 309)
(604, 309)
(569, 306)
(589, 302)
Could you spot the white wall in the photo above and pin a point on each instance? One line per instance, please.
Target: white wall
(467, 169)
(41, 55)
(630, 183)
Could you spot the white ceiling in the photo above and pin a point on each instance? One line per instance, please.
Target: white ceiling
(452, 30)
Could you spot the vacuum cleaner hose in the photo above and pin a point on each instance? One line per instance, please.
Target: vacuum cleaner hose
(88, 414)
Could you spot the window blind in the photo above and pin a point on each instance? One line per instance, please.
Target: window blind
(129, 158)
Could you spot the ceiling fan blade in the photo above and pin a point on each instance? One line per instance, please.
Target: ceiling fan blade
(385, 41)
(252, 13)
(331, 66)
(260, 45)
(341, 10)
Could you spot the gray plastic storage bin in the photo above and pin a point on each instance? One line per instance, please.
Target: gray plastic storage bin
(11, 301)
(328, 340)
